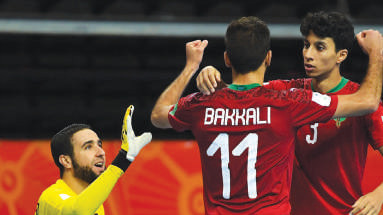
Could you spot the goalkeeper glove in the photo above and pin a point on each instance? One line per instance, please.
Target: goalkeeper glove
(130, 143)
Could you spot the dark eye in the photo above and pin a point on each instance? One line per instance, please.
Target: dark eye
(321, 47)
(88, 147)
(99, 143)
(306, 45)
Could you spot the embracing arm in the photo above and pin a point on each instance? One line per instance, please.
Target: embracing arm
(366, 99)
(209, 79)
(171, 95)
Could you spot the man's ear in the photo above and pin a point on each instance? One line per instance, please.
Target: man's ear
(268, 58)
(341, 55)
(227, 60)
(66, 161)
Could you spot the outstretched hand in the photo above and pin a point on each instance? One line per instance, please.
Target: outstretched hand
(130, 143)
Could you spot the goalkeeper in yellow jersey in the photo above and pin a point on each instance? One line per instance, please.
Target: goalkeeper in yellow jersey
(85, 182)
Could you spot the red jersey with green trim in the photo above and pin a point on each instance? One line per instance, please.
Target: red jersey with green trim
(331, 156)
(246, 143)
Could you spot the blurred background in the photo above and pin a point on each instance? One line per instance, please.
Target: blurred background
(65, 61)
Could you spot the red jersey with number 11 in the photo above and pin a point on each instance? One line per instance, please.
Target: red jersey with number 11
(246, 135)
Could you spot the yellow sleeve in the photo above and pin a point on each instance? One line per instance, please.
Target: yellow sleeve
(89, 200)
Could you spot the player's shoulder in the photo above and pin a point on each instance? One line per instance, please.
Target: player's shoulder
(57, 191)
(272, 95)
(193, 100)
(301, 97)
(289, 95)
(351, 86)
(199, 98)
(292, 83)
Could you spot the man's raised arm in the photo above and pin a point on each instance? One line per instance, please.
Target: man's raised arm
(366, 99)
(171, 95)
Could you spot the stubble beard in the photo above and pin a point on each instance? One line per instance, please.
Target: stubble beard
(84, 173)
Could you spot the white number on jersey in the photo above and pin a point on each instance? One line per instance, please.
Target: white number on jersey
(250, 142)
(315, 135)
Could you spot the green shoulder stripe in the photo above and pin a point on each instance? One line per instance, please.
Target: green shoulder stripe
(174, 109)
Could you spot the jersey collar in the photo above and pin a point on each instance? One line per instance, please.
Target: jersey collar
(61, 183)
(338, 87)
(243, 87)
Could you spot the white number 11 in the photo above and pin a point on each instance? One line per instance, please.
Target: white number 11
(250, 142)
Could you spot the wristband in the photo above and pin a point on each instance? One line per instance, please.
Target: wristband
(120, 160)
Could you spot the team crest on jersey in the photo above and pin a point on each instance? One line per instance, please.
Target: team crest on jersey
(339, 120)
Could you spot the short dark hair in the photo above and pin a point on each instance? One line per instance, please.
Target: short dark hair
(330, 24)
(61, 143)
(247, 42)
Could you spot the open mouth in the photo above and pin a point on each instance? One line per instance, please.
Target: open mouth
(99, 165)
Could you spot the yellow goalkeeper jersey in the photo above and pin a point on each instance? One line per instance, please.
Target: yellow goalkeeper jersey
(60, 199)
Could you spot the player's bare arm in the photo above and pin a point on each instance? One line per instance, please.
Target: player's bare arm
(371, 203)
(171, 95)
(366, 99)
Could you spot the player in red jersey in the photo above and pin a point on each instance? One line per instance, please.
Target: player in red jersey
(330, 156)
(246, 132)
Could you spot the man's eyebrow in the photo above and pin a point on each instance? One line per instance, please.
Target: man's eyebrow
(320, 42)
(87, 142)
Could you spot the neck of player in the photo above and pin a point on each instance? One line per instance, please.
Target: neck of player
(327, 81)
(76, 184)
(256, 76)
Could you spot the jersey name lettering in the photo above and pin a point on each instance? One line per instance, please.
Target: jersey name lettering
(236, 117)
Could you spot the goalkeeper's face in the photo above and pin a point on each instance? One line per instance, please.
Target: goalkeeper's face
(88, 155)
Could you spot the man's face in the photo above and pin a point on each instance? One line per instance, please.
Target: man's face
(88, 155)
(319, 56)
